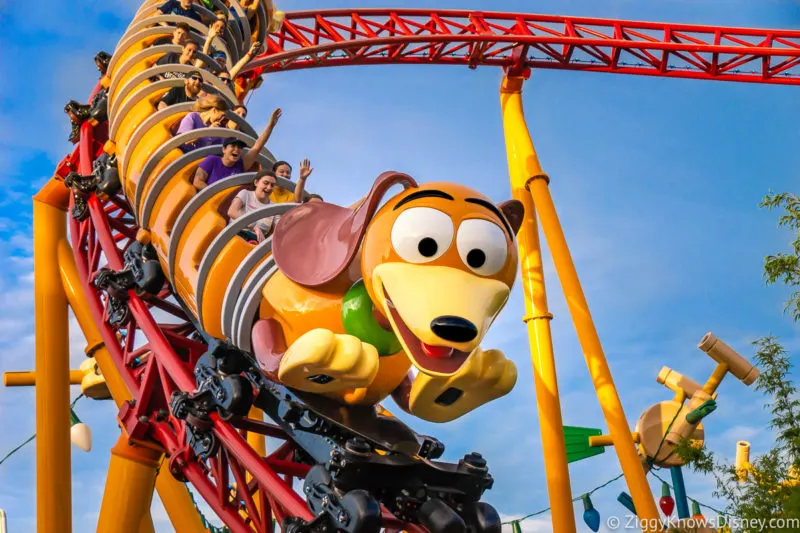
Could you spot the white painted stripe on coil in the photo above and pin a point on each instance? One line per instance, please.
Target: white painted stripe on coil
(237, 282)
(154, 119)
(231, 231)
(247, 314)
(121, 110)
(192, 206)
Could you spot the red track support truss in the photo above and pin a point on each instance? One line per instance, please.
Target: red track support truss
(155, 354)
(327, 38)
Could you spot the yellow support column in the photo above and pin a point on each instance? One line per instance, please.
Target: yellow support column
(258, 442)
(174, 495)
(147, 525)
(53, 483)
(522, 164)
(537, 183)
(129, 487)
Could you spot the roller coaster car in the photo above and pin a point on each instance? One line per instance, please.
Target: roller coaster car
(332, 340)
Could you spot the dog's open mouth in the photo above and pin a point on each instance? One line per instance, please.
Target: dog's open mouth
(435, 358)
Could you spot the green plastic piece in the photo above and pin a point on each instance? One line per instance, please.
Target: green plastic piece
(707, 407)
(515, 527)
(695, 508)
(587, 502)
(359, 321)
(577, 443)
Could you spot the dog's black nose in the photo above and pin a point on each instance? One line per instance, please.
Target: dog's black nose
(454, 328)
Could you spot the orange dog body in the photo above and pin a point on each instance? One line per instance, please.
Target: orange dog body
(299, 309)
(437, 262)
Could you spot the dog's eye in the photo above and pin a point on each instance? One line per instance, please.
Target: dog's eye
(422, 234)
(482, 246)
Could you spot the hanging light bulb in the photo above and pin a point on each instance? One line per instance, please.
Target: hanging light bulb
(79, 433)
(590, 514)
(696, 514)
(666, 502)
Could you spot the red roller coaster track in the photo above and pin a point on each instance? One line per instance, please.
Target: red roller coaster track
(329, 38)
(164, 362)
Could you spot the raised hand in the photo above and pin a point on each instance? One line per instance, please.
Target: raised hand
(305, 169)
(254, 48)
(276, 116)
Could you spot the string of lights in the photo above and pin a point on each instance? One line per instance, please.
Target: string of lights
(18, 448)
(590, 513)
(206, 524)
(575, 499)
(515, 522)
(701, 504)
(595, 489)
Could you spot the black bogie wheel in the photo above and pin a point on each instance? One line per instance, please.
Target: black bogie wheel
(480, 517)
(438, 517)
(362, 514)
(152, 278)
(355, 511)
(237, 398)
(109, 185)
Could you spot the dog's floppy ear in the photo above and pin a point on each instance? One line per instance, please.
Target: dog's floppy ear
(514, 212)
(315, 242)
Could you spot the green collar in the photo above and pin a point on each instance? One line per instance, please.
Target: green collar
(359, 321)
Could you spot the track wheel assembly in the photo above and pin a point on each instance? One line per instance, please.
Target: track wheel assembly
(438, 517)
(355, 511)
(481, 517)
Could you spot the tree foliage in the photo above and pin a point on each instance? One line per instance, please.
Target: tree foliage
(768, 488)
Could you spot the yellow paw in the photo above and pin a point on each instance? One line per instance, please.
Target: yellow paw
(485, 376)
(321, 361)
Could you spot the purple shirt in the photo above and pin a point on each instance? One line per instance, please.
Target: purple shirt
(190, 122)
(216, 170)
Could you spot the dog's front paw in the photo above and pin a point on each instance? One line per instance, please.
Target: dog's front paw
(484, 376)
(321, 361)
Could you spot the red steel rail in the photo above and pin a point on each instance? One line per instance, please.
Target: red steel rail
(327, 38)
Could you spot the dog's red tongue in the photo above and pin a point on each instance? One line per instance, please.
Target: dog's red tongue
(437, 352)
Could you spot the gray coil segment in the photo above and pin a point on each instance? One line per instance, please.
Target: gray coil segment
(197, 201)
(235, 286)
(247, 307)
(221, 240)
(242, 295)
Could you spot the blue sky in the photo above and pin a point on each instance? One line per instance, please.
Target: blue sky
(656, 182)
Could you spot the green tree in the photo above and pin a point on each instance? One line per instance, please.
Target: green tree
(764, 493)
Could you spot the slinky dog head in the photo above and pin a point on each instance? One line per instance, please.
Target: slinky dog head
(438, 261)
